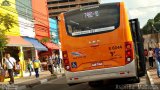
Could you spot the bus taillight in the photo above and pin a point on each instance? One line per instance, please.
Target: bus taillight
(66, 61)
(128, 52)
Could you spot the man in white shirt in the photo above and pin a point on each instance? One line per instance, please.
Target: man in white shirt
(10, 64)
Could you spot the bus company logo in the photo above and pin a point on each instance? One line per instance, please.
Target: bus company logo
(77, 54)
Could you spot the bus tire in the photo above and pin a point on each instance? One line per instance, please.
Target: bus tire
(134, 80)
(95, 84)
(73, 84)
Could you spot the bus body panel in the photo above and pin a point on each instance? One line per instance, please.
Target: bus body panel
(126, 71)
(102, 56)
(99, 52)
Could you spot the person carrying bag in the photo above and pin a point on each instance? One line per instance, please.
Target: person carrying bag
(10, 64)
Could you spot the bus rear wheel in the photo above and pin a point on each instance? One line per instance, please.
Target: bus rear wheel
(95, 84)
(134, 80)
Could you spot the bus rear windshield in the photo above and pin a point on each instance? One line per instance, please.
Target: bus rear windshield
(92, 20)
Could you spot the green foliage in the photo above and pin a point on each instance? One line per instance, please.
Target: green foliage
(157, 25)
(152, 26)
(45, 40)
(6, 22)
(157, 17)
(3, 40)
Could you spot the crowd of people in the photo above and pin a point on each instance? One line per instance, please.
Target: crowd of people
(13, 66)
(153, 55)
(53, 61)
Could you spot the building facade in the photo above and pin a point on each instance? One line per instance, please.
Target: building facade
(54, 30)
(55, 7)
(40, 17)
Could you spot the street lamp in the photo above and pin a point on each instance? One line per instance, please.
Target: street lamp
(5, 3)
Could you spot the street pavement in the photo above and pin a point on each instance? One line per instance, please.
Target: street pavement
(60, 84)
(153, 78)
(48, 82)
(25, 82)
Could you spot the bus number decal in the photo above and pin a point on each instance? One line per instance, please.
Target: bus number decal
(115, 47)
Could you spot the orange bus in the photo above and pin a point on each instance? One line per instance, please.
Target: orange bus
(97, 44)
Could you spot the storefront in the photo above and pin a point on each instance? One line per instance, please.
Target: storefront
(37, 45)
(16, 47)
(52, 48)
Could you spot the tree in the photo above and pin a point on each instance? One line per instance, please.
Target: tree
(148, 28)
(157, 22)
(6, 22)
(153, 26)
(45, 40)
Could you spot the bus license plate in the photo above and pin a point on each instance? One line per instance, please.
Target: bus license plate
(97, 64)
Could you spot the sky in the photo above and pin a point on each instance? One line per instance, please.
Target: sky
(141, 9)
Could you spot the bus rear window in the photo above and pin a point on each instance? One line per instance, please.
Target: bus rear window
(92, 20)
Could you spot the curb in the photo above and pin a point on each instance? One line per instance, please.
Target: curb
(150, 79)
(153, 85)
(42, 81)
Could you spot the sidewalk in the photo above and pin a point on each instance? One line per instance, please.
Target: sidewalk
(25, 82)
(152, 73)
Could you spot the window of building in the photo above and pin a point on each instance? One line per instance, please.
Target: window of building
(53, 2)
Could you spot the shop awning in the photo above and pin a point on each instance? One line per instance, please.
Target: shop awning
(36, 44)
(51, 45)
(18, 41)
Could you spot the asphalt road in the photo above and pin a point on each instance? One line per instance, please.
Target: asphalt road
(60, 84)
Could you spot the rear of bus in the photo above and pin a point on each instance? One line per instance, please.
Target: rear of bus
(97, 43)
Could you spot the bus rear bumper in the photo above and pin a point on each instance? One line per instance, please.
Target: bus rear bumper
(126, 71)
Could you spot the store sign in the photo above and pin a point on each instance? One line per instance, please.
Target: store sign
(54, 30)
(26, 27)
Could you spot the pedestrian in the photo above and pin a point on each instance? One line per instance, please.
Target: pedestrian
(157, 59)
(150, 56)
(36, 65)
(58, 61)
(50, 64)
(154, 54)
(1, 66)
(18, 68)
(2, 74)
(145, 54)
(10, 64)
(29, 66)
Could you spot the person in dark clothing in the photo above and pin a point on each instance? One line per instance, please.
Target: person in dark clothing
(145, 54)
(50, 64)
(150, 55)
(58, 61)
